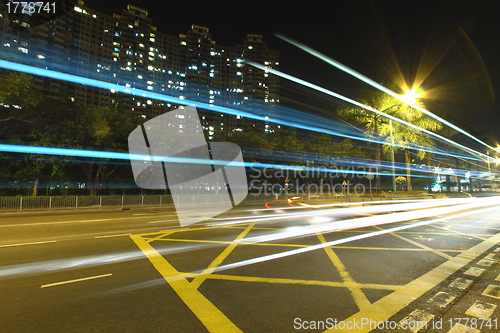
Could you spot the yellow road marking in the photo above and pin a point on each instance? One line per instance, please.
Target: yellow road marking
(254, 228)
(356, 292)
(458, 232)
(433, 233)
(220, 258)
(439, 253)
(304, 282)
(388, 248)
(388, 306)
(210, 316)
(302, 245)
(228, 242)
(150, 240)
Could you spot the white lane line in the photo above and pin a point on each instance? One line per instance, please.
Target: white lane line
(481, 310)
(174, 230)
(474, 271)
(77, 280)
(79, 221)
(153, 215)
(161, 221)
(33, 243)
(108, 236)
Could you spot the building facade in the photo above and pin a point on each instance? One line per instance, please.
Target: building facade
(126, 49)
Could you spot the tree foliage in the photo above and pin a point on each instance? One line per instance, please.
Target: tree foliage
(405, 137)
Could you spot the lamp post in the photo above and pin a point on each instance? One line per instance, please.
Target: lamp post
(392, 159)
(409, 97)
(489, 169)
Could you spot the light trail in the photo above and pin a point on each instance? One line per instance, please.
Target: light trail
(331, 93)
(166, 98)
(377, 85)
(385, 219)
(136, 157)
(401, 206)
(170, 99)
(50, 266)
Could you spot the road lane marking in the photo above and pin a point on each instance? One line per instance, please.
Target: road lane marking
(162, 221)
(422, 246)
(228, 242)
(481, 310)
(388, 306)
(209, 315)
(196, 283)
(390, 248)
(78, 221)
(241, 278)
(459, 233)
(357, 294)
(76, 280)
(33, 243)
(108, 236)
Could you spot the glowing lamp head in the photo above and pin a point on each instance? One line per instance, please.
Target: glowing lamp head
(410, 97)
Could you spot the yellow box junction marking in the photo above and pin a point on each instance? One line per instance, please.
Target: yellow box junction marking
(388, 306)
(215, 321)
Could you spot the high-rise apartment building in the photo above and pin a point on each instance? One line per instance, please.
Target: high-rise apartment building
(126, 49)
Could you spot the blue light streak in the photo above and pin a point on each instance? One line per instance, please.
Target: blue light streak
(134, 158)
(170, 99)
(380, 87)
(331, 93)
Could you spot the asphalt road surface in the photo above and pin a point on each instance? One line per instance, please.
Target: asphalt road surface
(286, 266)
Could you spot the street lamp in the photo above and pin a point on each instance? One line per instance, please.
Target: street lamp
(409, 97)
(489, 170)
(392, 160)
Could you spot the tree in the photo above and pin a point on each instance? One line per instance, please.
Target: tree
(370, 120)
(103, 129)
(18, 97)
(400, 180)
(407, 138)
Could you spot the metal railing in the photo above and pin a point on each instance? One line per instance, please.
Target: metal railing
(28, 203)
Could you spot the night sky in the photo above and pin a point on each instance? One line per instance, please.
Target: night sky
(450, 48)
